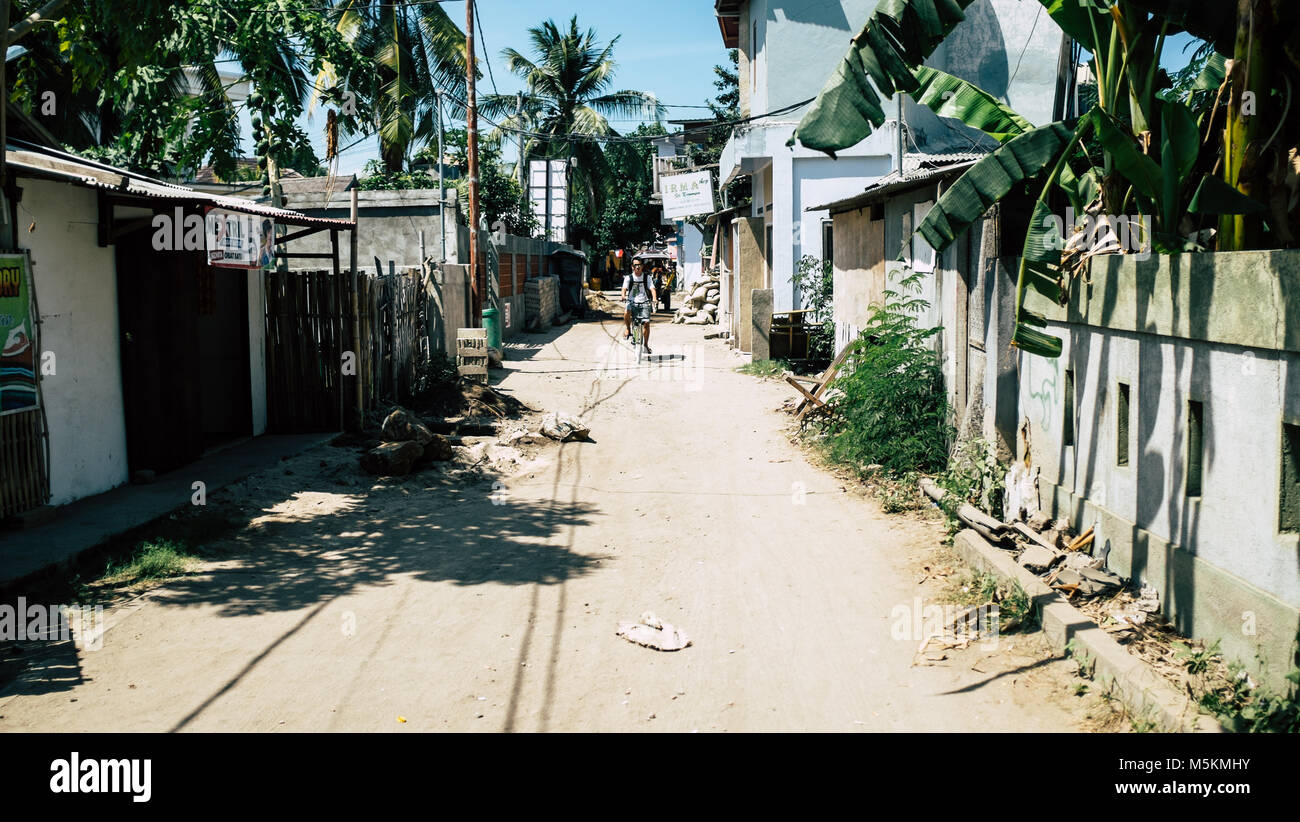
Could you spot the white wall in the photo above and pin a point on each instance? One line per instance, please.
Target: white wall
(76, 288)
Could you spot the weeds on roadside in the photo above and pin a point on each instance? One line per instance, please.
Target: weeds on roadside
(441, 370)
(152, 560)
(1016, 609)
(890, 407)
(764, 368)
(974, 475)
(897, 495)
(1239, 704)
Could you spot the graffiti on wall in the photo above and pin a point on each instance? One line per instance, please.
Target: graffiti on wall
(1048, 390)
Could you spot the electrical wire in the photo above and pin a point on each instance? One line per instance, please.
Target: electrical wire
(483, 38)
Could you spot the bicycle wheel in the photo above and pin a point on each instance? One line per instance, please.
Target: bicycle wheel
(640, 344)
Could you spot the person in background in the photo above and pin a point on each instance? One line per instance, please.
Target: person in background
(638, 295)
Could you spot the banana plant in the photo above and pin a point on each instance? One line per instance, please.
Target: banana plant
(1150, 159)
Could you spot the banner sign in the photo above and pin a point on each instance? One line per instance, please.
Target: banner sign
(686, 195)
(17, 336)
(238, 240)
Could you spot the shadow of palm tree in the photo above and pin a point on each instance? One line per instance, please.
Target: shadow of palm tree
(429, 527)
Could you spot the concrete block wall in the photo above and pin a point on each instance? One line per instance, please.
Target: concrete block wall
(542, 300)
(1221, 330)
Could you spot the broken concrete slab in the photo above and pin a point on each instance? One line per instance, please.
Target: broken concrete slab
(1038, 559)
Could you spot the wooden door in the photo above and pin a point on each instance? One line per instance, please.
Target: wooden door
(157, 298)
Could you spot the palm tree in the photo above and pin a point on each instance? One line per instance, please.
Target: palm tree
(569, 97)
(415, 51)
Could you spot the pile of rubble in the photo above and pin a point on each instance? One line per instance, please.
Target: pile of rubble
(701, 307)
(407, 443)
(1067, 562)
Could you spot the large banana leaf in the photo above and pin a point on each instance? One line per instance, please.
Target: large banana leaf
(950, 96)
(1087, 21)
(897, 37)
(989, 180)
(1212, 20)
(1179, 148)
(1213, 196)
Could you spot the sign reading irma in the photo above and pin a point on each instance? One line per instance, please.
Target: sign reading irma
(17, 336)
(239, 240)
(686, 195)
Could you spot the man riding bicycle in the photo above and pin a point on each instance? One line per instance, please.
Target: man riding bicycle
(639, 295)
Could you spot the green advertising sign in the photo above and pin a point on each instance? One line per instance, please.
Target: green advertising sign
(17, 336)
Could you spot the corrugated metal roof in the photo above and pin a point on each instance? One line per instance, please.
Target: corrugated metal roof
(35, 160)
(891, 184)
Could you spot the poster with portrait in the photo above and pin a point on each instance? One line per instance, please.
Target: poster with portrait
(17, 336)
(238, 240)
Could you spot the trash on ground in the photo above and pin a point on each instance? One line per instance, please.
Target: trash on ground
(1084, 582)
(653, 632)
(564, 427)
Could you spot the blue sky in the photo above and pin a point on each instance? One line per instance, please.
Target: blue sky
(667, 47)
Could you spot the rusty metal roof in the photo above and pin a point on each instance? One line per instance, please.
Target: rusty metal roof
(32, 160)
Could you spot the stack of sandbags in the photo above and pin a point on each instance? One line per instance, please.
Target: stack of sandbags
(701, 307)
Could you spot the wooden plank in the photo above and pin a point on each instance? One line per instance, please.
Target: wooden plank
(823, 381)
(808, 397)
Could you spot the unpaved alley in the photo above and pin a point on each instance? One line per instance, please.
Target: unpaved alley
(437, 602)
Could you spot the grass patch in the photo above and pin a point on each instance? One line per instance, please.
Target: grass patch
(85, 579)
(152, 560)
(765, 368)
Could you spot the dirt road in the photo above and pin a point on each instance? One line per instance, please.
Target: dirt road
(440, 603)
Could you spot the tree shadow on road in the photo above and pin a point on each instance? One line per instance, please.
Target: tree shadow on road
(429, 527)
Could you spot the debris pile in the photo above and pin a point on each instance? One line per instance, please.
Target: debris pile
(701, 307)
(1042, 546)
(407, 442)
(598, 303)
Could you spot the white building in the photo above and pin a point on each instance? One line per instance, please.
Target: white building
(788, 50)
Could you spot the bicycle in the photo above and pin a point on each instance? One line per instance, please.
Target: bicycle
(640, 320)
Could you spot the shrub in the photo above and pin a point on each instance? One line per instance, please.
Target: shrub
(889, 406)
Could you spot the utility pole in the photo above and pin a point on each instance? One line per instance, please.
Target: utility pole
(471, 127)
(10, 240)
(523, 163)
(442, 190)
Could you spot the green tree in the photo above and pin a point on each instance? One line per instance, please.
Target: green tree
(151, 96)
(500, 197)
(626, 218)
(410, 52)
(569, 81)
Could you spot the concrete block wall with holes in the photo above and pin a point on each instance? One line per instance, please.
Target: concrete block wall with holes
(1171, 423)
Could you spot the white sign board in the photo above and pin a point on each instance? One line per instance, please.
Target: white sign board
(236, 240)
(548, 190)
(686, 195)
